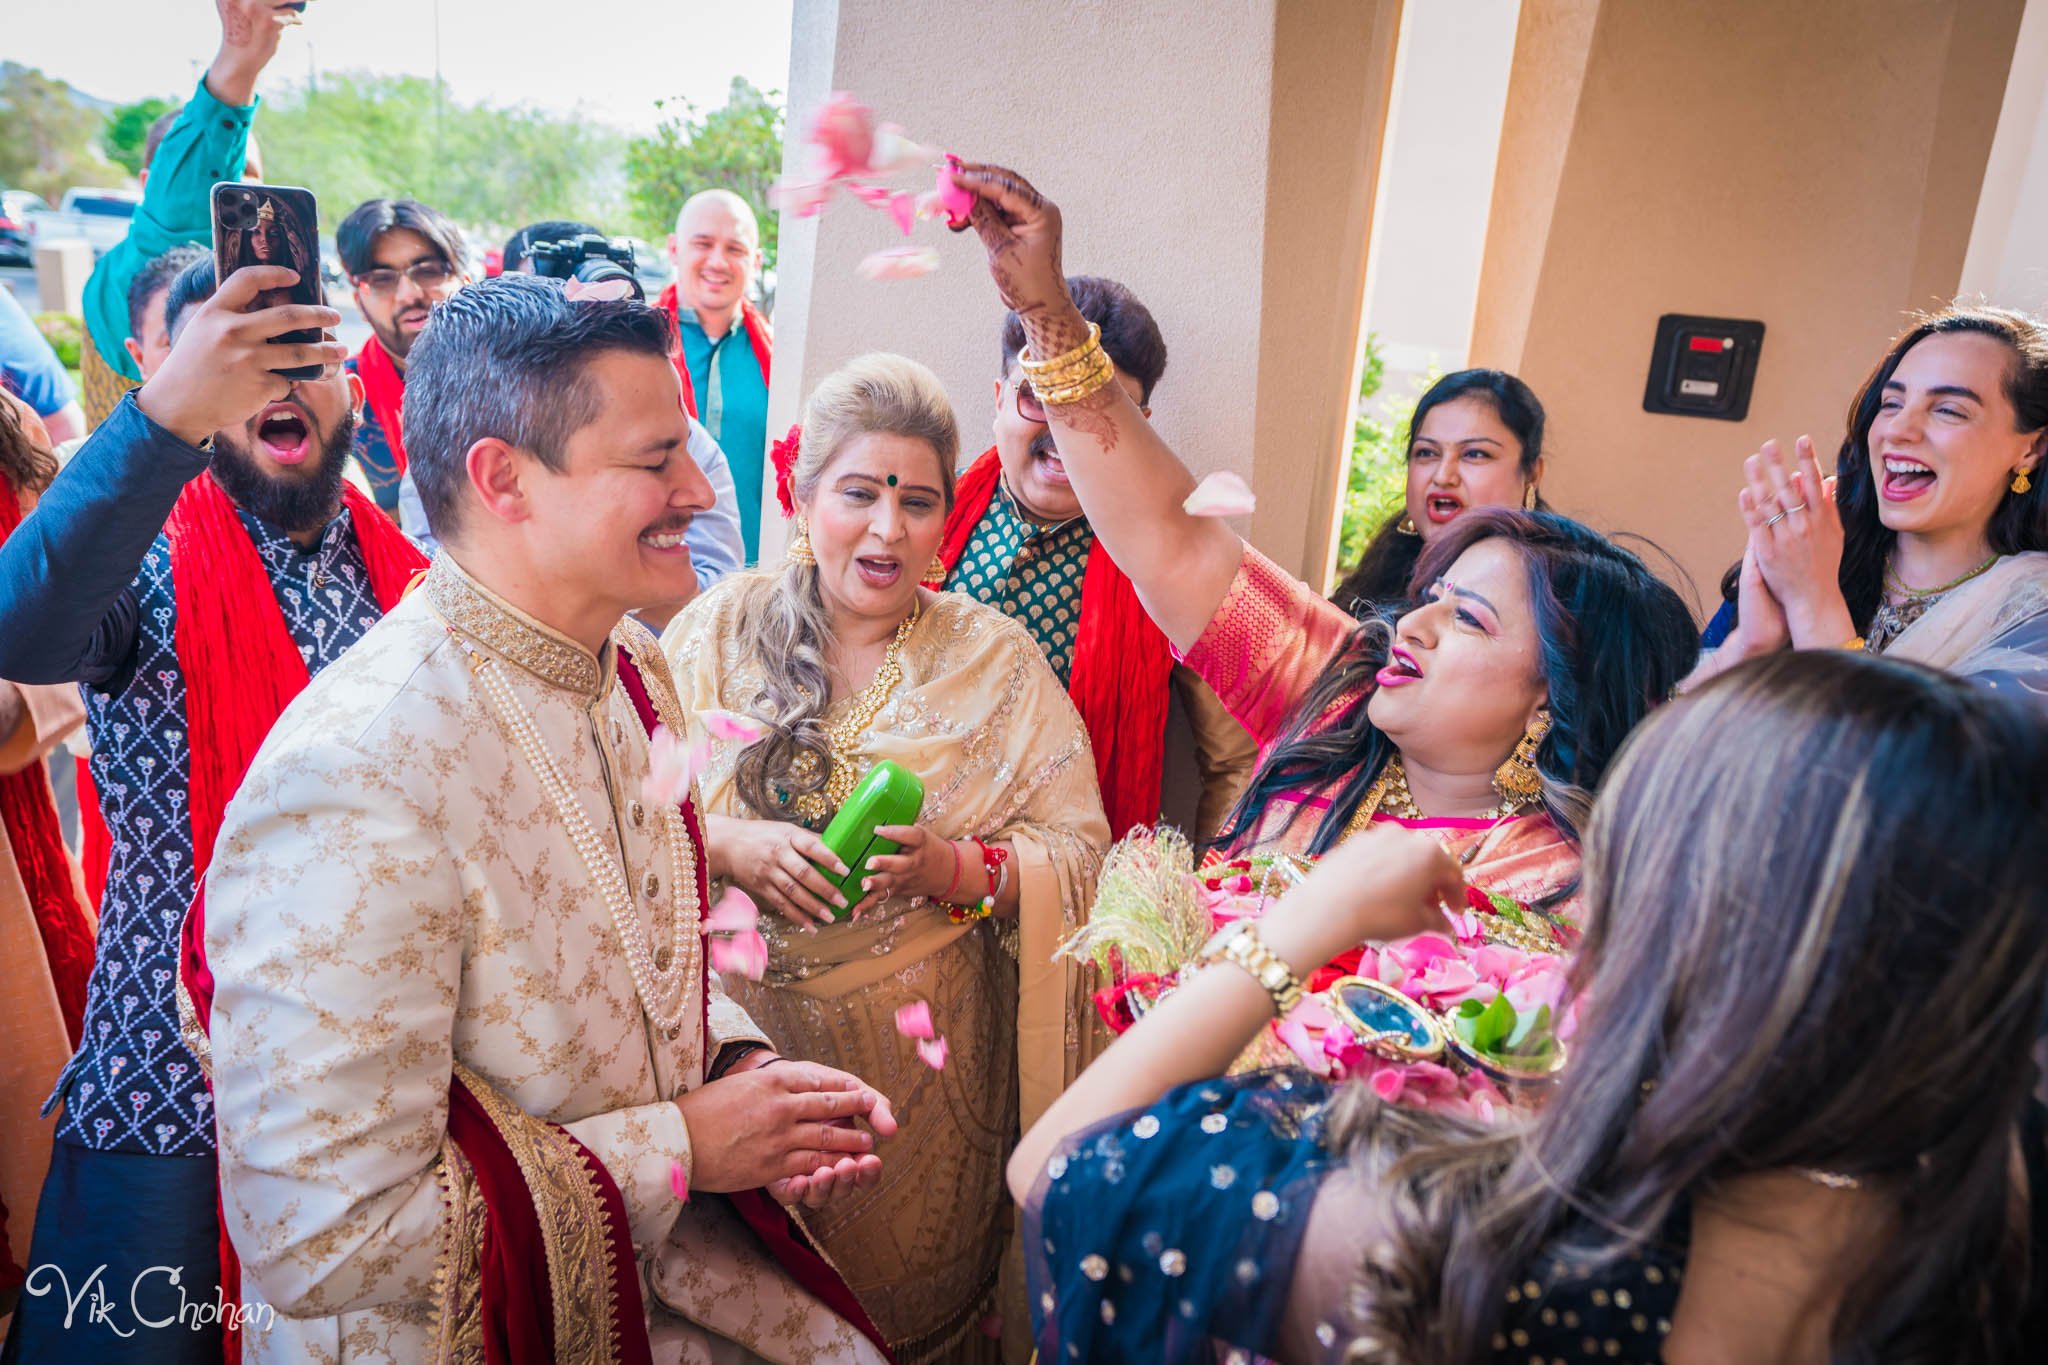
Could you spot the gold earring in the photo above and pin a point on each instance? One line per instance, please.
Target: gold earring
(2020, 481)
(800, 551)
(1406, 526)
(1529, 499)
(1516, 781)
(937, 573)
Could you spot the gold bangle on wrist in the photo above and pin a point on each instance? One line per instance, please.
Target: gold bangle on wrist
(1067, 363)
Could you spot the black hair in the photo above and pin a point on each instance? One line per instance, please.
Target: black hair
(190, 287)
(1614, 640)
(1382, 572)
(520, 244)
(1128, 332)
(2020, 521)
(508, 358)
(155, 277)
(355, 241)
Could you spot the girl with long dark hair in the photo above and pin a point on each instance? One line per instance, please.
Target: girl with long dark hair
(1475, 440)
(1812, 976)
(1928, 545)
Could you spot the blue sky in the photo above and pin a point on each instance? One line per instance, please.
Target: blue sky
(497, 51)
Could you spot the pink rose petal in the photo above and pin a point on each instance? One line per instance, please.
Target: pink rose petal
(914, 1020)
(735, 913)
(933, 1052)
(1222, 494)
(678, 1181)
(955, 202)
(604, 291)
(894, 150)
(900, 263)
(903, 208)
(744, 954)
(804, 198)
(669, 771)
(844, 131)
(732, 727)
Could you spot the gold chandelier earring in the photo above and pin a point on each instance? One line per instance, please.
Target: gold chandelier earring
(1406, 525)
(936, 575)
(800, 551)
(2022, 480)
(1531, 500)
(1516, 781)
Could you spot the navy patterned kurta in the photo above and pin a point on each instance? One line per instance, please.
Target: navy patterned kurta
(132, 1085)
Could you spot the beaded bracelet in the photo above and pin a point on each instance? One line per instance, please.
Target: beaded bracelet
(995, 862)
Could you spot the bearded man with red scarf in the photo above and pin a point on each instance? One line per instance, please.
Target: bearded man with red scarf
(194, 565)
(1017, 540)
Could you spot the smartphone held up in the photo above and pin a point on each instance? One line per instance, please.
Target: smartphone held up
(271, 225)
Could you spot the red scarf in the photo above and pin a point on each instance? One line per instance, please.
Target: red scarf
(30, 815)
(240, 665)
(751, 320)
(384, 390)
(1122, 664)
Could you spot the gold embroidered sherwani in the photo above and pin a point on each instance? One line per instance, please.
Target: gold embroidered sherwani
(395, 894)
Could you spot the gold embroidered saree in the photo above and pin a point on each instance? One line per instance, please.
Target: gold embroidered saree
(985, 725)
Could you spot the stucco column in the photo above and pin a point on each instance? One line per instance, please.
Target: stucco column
(1218, 158)
(1814, 165)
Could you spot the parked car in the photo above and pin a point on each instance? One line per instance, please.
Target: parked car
(17, 233)
(97, 216)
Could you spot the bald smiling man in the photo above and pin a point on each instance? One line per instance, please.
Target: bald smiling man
(716, 250)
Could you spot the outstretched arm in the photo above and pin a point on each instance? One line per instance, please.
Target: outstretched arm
(1130, 482)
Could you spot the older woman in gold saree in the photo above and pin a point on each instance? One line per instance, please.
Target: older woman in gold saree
(849, 661)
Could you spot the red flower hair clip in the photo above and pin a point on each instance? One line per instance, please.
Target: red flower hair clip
(784, 453)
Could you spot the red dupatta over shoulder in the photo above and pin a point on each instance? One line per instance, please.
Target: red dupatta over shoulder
(29, 813)
(384, 391)
(759, 335)
(1122, 663)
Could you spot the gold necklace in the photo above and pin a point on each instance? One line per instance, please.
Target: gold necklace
(1894, 582)
(842, 736)
(1389, 795)
(662, 977)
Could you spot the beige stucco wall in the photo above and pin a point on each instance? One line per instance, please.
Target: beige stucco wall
(2008, 257)
(1217, 158)
(1815, 165)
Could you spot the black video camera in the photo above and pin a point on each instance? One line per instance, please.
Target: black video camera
(589, 258)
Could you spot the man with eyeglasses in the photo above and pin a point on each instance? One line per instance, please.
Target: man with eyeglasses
(404, 260)
(1016, 539)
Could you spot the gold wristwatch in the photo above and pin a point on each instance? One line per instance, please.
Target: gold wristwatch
(1239, 943)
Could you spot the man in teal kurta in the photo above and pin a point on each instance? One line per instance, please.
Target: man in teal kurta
(208, 141)
(716, 251)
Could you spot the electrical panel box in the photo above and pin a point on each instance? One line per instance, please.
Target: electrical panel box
(1703, 367)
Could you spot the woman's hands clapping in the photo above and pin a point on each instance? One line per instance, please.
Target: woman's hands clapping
(1795, 539)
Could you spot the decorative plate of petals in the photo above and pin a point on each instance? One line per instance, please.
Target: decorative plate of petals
(744, 954)
(603, 291)
(914, 1020)
(732, 727)
(900, 263)
(735, 913)
(932, 1052)
(1222, 494)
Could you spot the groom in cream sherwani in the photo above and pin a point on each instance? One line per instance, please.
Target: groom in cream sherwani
(458, 958)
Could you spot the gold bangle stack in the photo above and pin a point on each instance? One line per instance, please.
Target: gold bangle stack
(1072, 376)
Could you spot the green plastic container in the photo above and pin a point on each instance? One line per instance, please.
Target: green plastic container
(889, 795)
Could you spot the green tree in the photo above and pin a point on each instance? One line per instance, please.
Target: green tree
(737, 147)
(1376, 483)
(126, 133)
(47, 135)
(357, 136)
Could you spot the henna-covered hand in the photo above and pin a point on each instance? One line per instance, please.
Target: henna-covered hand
(1020, 228)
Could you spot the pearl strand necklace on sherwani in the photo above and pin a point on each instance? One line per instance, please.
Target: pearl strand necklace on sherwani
(663, 977)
